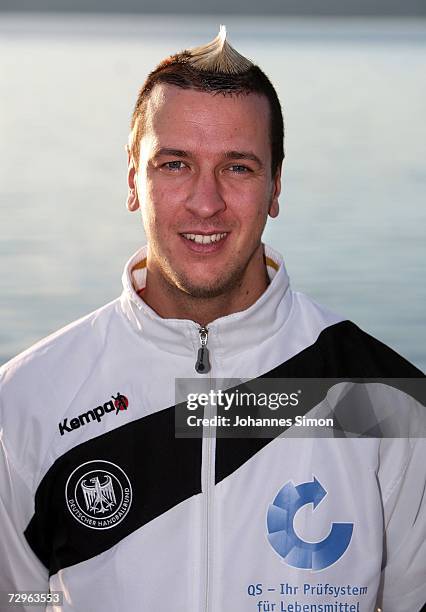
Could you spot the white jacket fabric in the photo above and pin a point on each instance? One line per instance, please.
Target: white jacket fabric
(100, 500)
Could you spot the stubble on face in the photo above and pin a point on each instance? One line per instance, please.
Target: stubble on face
(180, 285)
(194, 297)
(228, 283)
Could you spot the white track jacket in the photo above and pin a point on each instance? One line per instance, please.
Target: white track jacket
(100, 500)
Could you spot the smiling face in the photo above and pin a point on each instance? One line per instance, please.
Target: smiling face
(205, 189)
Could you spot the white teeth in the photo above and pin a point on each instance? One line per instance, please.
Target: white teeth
(202, 239)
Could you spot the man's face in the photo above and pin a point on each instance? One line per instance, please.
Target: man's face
(204, 186)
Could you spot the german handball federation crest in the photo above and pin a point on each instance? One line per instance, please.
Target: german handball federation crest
(98, 494)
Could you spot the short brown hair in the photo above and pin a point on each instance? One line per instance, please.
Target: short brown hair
(176, 71)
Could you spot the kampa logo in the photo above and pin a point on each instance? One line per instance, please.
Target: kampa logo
(116, 405)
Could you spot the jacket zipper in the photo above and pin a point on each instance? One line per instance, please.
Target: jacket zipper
(203, 366)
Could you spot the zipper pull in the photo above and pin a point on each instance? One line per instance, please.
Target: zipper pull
(202, 365)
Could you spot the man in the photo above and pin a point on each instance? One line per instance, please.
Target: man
(100, 499)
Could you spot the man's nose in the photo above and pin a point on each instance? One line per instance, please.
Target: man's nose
(206, 199)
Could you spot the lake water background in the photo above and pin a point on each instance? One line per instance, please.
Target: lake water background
(352, 222)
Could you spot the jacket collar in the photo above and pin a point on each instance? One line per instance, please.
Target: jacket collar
(228, 335)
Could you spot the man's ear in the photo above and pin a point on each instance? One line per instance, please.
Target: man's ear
(132, 193)
(274, 207)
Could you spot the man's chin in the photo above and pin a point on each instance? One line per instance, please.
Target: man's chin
(205, 291)
(207, 284)
(207, 288)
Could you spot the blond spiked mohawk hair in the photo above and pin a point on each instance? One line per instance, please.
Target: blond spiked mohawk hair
(215, 68)
(218, 56)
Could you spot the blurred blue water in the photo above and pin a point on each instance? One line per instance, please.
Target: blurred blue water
(353, 207)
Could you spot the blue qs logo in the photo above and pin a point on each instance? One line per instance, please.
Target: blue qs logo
(284, 540)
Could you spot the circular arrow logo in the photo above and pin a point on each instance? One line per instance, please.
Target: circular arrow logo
(283, 538)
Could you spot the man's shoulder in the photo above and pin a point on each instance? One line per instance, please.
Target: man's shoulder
(65, 346)
(340, 348)
(351, 351)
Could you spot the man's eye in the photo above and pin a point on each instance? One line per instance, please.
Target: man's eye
(174, 165)
(239, 169)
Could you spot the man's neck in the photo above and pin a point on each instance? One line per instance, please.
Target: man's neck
(169, 302)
